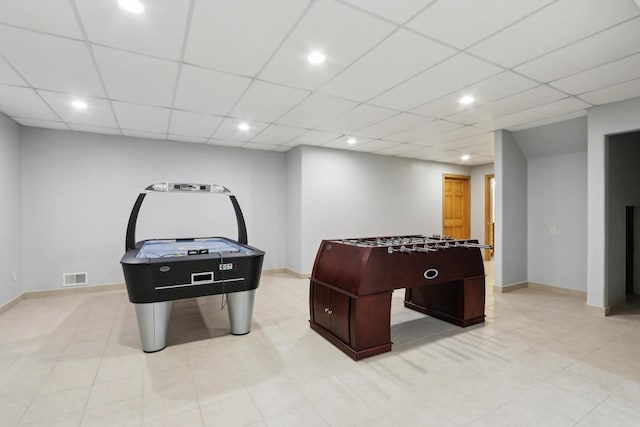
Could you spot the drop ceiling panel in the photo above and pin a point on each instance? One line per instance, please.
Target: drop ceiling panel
(225, 143)
(393, 125)
(620, 41)
(512, 104)
(276, 134)
(480, 160)
(429, 153)
(341, 32)
(55, 16)
(342, 144)
(425, 133)
(144, 134)
(396, 59)
(457, 22)
(282, 148)
(555, 26)
(49, 62)
(267, 102)
(484, 139)
(357, 118)
(193, 124)
(314, 137)
(463, 132)
(564, 106)
(24, 102)
(192, 139)
(398, 10)
(454, 73)
(207, 91)
(491, 89)
(314, 110)
(480, 150)
(376, 146)
(159, 31)
(144, 80)
(398, 149)
(554, 119)
(256, 28)
(228, 130)
(143, 118)
(98, 112)
(606, 75)
(8, 76)
(264, 147)
(615, 93)
(95, 129)
(41, 123)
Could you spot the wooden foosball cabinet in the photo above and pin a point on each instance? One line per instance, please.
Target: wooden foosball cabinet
(353, 280)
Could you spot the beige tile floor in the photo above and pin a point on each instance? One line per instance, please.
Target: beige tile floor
(539, 359)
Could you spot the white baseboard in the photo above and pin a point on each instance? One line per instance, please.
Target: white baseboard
(509, 288)
(558, 290)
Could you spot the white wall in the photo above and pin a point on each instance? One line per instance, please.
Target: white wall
(10, 211)
(477, 200)
(511, 211)
(78, 190)
(557, 197)
(351, 194)
(622, 190)
(293, 211)
(603, 120)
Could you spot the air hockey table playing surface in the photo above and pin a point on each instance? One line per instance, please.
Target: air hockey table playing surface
(164, 248)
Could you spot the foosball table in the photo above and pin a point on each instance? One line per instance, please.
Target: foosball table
(353, 280)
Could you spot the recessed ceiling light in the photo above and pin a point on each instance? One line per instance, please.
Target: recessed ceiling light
(466, 100)
(465, 157)
(131, 6)
(351, 141)
(244, 126)
(79, 104)
(316, 58)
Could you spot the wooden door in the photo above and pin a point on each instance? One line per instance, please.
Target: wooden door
(456, 206)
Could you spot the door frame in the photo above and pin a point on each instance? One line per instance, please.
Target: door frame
(488, 213)
(467, 215)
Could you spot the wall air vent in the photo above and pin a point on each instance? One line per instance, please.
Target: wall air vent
(74, 279)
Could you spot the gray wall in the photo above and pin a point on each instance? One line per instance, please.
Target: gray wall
(603, 120)
(10, 211)
(293, 211)
(623, 189)
(477, 200)
(557, 197)
(351, 194)
(511, 211)
(78, 190)
(569, 136)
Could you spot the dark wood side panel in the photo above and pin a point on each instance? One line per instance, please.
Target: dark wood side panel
(460, 302)
(370, 321)
(474, 298)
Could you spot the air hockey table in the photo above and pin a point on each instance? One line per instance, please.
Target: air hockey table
(159, 271)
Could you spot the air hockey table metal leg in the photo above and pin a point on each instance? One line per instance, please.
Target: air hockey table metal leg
(240, 311)
(153, 322)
